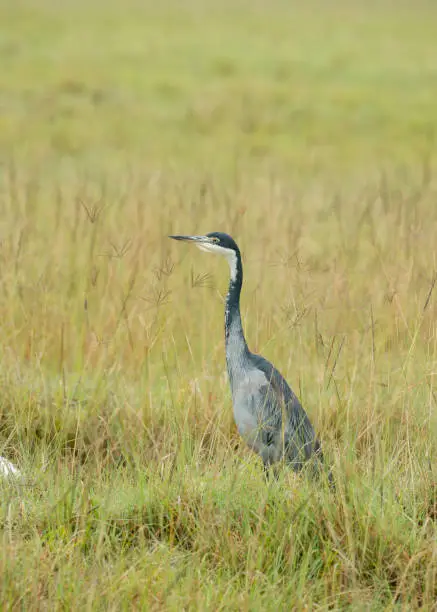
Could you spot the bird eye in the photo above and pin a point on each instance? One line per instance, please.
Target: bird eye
(214, 239)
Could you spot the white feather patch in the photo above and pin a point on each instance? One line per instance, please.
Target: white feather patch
(230, 255)
(8, 469)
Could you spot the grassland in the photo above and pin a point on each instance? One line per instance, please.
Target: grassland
(309, 135)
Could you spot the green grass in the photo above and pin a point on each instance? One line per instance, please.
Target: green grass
(306, 133)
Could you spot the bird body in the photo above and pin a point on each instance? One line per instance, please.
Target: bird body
(268, 415)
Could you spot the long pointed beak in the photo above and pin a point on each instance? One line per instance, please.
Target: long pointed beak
(190, 238)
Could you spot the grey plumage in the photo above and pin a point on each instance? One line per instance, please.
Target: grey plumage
(268, 415)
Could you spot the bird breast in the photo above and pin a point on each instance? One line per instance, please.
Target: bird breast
(248, 403)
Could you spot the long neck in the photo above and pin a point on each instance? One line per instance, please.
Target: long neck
(236, 347)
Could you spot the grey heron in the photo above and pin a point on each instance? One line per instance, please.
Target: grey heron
(268, 415)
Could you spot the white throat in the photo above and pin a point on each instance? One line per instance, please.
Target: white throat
(230, 255)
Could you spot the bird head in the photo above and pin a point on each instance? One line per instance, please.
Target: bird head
(215, 242)
(220, 244)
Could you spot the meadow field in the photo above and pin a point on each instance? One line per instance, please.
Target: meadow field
(308, 132)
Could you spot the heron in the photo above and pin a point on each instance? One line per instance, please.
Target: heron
(268, 415)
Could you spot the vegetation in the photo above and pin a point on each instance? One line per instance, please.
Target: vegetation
(308, 134)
